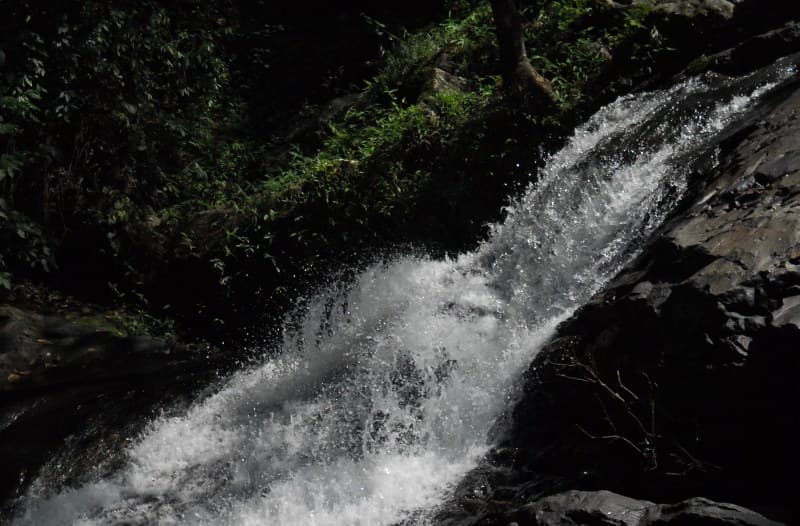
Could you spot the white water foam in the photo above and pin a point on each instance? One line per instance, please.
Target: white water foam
(383, 396)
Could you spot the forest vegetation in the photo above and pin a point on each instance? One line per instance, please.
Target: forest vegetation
(248, 242)
(171, 162)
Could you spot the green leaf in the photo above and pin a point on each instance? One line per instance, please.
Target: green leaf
(7, 128)
(9, 165)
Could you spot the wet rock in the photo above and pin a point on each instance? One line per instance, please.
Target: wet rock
(697, 392)
(57, 354)
(604, 508)
(703, 512)
(573, 508)
(680, 378)
(788, 314)
(60, 379)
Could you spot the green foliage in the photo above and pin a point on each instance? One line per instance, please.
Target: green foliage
(366, 166)
(574, 42)
(24, 245)
(379, 161)
(124, 121)
(464, 44)
(107, 115)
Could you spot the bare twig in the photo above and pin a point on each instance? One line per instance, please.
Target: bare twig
(620, 438)
(613, 394)
(576, 379)
(610, 420)
(619, 381)
(627, 400)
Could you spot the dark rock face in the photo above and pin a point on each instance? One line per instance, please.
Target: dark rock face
(723, 20)
(681, 377)
(60, 380)
(601, 508)
(604, 508)
(753, 52)
(40, 354)
(727, 36)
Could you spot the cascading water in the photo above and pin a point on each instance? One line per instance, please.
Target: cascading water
(383, 395)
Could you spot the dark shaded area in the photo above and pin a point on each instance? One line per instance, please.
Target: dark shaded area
(72, 390)
(128, 107)
(288, 55)
(679, 378)
(697, 31)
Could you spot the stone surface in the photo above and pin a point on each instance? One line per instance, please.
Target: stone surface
(40, 353)
(60, 379)
(604, 508)
(685, 367)
(722, 9)
(443, 80)
(590, 508)
(680, 378)
(703, 512)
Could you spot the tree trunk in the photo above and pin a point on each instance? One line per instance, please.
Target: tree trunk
(518, 74)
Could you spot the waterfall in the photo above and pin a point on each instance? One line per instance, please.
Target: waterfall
(386, 386)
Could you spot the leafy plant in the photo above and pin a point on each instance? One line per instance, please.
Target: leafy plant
(130, 126)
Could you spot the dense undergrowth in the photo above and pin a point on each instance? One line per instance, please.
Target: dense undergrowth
(133, 173)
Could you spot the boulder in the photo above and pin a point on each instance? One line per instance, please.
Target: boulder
(604, 508)
(41, 354)
(584, 508)
(703, 512)
(688, 9)
(78, 381)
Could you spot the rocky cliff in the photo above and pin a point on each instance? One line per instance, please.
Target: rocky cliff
(680, 378)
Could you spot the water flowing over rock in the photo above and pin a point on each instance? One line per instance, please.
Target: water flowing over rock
(680, 377)
(61, 380)
(388, 389)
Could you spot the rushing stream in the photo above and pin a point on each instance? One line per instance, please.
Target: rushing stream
(385, 390)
